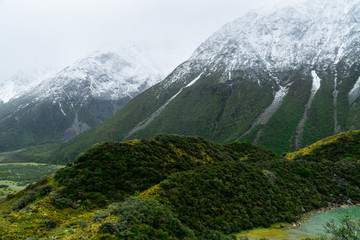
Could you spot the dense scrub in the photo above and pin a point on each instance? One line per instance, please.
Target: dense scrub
(343, 146)
(184, 188)
(116, 170)
(242, 195)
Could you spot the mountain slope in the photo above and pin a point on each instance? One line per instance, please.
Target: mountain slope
(181, 187)
(75, 99)
(301, 64)
(281, 80)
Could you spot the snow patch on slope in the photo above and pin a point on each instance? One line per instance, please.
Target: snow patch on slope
(270, 110)
(316, 83)
(61, 109)
(340, 54)
(355, 92)
(143, 124)
(337, 127)
(194, 81)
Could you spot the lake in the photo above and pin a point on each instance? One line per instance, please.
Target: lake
(311, 227)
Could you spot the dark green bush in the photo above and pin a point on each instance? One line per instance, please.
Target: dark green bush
(150, 219)
(45, 190)
(82, 223)
(216, 235)
(20, 204)
(50, 224)
(108, 227)
(348, 229)
(114, 208)
(304, 172)
(10, 196)
(24, 201)
(59, 201)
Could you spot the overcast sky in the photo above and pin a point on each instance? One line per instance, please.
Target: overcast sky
(55, 33)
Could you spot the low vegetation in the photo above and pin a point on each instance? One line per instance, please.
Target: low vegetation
(348, 229)
(16, 176)
(173, 187)
(22, 174)
(334, 148)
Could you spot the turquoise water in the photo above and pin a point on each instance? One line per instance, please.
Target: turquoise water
(313, 226)
(315, 223)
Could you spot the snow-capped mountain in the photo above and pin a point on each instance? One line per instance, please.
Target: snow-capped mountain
(104, 76)
(21, 82)
(280, 79)
(314, 32)
(75, 99)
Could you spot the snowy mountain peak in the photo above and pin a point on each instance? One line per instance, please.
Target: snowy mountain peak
(102, 75)
(77, 98)
(303, 34)
(280, 78)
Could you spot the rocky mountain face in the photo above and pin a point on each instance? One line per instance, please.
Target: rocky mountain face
(281, 80)
(75, 99)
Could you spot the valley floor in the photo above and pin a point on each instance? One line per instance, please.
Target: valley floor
(16, 176)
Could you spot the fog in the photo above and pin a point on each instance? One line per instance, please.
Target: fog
(37, 34)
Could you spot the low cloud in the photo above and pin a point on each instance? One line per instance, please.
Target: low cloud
(43, 33)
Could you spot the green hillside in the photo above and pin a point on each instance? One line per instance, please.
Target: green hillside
(224, 112)
(173, 187)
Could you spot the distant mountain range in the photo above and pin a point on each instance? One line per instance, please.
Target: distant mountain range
(75, 99)
(281, 80)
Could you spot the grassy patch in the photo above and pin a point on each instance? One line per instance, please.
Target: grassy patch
(40, 153)
(6, 191)
(275, 232)
(22, 174)
(43, 220)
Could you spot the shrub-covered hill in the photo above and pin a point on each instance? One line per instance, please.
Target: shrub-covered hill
(342, 146)
(117, 169)
(173, 187)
